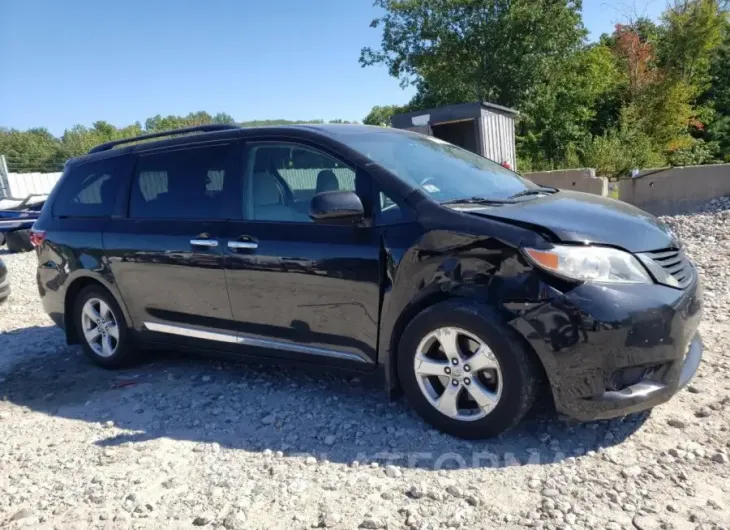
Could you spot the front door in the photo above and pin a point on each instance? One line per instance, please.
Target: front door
(299, 288)
(167, 254)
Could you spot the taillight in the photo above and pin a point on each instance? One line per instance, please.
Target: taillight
(37, 237)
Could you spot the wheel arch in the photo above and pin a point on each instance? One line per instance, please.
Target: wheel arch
(72, 292)
(393, 385)
(409, 313)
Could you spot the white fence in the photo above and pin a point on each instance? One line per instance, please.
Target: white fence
(23, 184)
(20, 185)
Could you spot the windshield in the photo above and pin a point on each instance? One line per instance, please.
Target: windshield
(442, 170)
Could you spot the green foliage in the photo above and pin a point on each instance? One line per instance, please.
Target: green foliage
(699, 152)
(38, 150)
(638, 97)
(719, 133)
(559, 113)
(31, 150)
(468, 50)
(380, 116)
(665, 113)
(692, 32)
(619, 150)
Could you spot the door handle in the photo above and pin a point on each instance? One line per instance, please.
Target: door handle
(242, 245)
(204, 243)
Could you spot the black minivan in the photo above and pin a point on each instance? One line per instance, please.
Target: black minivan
(371, 249)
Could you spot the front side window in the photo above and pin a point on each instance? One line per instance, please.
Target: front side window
(283, 178)
(185, 184)
(89, 190)
(442, 170)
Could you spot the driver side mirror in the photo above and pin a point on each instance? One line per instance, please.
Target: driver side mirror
(336, 207)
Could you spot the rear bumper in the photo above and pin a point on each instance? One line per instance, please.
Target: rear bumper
(609, 351)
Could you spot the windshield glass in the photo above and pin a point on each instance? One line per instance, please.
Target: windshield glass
(442, 170)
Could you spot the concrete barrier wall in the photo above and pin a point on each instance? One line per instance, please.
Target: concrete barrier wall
(674, 190)
(571, 179)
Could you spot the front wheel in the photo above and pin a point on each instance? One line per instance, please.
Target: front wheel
(466, 372)
(102, 330)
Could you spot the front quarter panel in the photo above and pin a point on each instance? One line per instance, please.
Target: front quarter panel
(474, 258)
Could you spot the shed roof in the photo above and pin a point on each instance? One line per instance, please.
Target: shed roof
(459, 111)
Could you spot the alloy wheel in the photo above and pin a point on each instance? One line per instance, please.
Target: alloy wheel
(100, 327)
(458, 374)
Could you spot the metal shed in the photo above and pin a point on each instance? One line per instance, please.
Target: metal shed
(483, 128)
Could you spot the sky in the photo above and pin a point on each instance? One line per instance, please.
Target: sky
(78, 61)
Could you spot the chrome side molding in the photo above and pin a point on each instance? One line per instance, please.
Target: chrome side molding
(195, 333)
(247, 340)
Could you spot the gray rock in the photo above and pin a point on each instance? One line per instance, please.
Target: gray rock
(631, 472)
(454, 491)
(647, 522)
(676, 423)
(23, 513)
(372, 523)
(268, 419)
(719, 458)
(550, 492)
(203, 519)
(329, 519)
(416, 491)
(473, 500)
(235, 520)
(393, 472)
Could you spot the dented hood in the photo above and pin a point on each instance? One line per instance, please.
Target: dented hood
(584, 218)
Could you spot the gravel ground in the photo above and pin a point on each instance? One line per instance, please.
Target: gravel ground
(185, 442)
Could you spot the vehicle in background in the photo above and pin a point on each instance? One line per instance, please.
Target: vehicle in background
(16, 219)
(371, 249)
(4, 282)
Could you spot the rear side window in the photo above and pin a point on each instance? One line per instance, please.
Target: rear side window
(89, 190)
(184, 184)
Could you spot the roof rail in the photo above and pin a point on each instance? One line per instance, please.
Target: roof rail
(198, 128)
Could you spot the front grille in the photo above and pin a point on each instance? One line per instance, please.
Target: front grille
(675, 263)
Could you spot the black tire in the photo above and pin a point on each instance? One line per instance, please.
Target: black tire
(125, 353)
(520, 372)
(19, 241)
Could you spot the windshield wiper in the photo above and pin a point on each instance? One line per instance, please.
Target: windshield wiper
(534, 191)
(475, 200)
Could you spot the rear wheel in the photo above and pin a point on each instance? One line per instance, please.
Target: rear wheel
(101, 328)
(466, 372)
(19, 241)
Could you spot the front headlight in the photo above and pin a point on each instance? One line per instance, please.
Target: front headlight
(599, 264)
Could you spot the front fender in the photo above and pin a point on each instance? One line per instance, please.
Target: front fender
(442, 264)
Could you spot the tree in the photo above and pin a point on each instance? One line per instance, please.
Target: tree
(637, 58)
(38, 150)
(693, 29)
(467, 50)
(560, 113)
(380, 116)
(32, 150)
